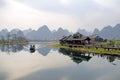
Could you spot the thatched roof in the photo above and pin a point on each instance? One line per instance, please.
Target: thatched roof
(77, 36)
(65, 38)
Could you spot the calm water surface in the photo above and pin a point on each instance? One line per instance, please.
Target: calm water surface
(17, 62)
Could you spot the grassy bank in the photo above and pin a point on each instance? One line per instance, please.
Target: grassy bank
(90, 50)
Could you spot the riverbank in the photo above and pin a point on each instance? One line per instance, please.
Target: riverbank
(90, 50)
(13, 42)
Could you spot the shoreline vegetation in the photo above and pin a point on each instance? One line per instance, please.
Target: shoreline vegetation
(88, 50)
(13, 42)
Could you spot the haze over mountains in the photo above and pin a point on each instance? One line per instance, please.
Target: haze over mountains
(109, 32)
(44, 33)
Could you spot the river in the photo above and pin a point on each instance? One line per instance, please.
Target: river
(17, 62)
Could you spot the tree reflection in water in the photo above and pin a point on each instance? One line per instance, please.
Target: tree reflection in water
(79, 57)
(11, 48)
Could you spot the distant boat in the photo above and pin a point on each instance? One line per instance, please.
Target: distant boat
(32, 48)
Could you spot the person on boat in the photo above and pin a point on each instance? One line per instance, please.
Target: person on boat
(33, 46)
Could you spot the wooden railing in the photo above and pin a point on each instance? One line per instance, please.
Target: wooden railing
(107, 47)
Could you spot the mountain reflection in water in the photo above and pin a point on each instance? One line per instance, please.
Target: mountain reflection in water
(11, 48)
(44, 50)
(48, 63)
(77, 57)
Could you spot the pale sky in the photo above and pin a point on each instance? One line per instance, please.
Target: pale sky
(68, 14)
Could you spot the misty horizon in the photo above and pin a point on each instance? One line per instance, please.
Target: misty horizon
(58, 28)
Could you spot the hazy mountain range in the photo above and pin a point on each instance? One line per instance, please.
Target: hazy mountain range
(44, 33)
(109, 32)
